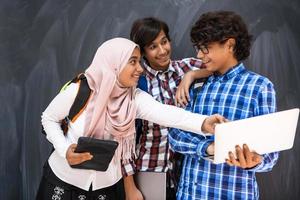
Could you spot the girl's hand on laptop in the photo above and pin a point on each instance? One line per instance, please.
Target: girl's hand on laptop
(245, 158)
(210, 122)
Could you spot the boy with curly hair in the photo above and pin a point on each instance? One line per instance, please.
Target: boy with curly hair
(222, 42)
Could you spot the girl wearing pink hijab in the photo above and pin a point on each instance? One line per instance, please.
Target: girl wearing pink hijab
(114, 105)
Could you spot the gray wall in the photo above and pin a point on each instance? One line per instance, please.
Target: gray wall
(44, 43)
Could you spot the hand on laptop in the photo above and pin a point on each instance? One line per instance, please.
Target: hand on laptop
(245, 157)
(211, 149)
(210, 122)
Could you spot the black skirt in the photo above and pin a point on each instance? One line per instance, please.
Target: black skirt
(52, 188)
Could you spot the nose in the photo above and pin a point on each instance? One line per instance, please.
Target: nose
(139, 68)
(200, 55)
(162, 50)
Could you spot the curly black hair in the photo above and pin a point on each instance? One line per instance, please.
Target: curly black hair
(218, 26)
(145, 30)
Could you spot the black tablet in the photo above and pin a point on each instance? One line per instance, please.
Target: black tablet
(102, 151)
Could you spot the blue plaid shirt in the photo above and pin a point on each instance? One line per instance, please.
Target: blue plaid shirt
(237, 94)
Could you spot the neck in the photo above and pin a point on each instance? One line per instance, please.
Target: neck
(159, 68)
(227, 67)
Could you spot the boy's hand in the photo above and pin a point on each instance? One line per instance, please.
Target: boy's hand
(211, 149)
(245, 158)
(182, 96)
(134, 194)
(131, 191)
(76, 158)
(210, 122)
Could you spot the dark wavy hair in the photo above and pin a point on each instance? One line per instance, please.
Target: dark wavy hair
(220, 25)
(144, 31)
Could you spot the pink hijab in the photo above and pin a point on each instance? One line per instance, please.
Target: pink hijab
(111, 111)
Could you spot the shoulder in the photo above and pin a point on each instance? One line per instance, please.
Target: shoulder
(144, 103)
(258, 79)
(72, 88)
(258, 83)
(140, 95)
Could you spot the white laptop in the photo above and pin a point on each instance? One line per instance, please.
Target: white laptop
(151, 184)
(263, 134)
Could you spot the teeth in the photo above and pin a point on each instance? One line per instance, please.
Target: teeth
(163, 58)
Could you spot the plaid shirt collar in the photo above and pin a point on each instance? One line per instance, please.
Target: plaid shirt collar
(234, 71)
(152, 72)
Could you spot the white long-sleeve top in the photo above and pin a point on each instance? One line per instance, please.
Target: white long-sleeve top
(147, 108)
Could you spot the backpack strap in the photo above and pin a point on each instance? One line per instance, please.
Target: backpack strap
(80, 102)
(81, 99)
(142, 84)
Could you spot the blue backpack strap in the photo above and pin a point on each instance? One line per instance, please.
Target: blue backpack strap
(142, 83)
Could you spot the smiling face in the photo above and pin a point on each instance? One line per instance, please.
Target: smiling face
(130, 74)
(158, 52)
(218, 57)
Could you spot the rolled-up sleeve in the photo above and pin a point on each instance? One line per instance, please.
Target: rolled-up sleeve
(189, 143)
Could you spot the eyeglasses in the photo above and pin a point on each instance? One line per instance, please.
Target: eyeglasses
(203, 48)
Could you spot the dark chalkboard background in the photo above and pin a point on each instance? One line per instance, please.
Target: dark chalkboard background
(44, 43)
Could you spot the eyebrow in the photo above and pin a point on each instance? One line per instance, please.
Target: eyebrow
(133, 57)
(152, 43)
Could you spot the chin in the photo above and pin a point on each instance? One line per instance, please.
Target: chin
(208, 67)
(134, 84)
(165, 65)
